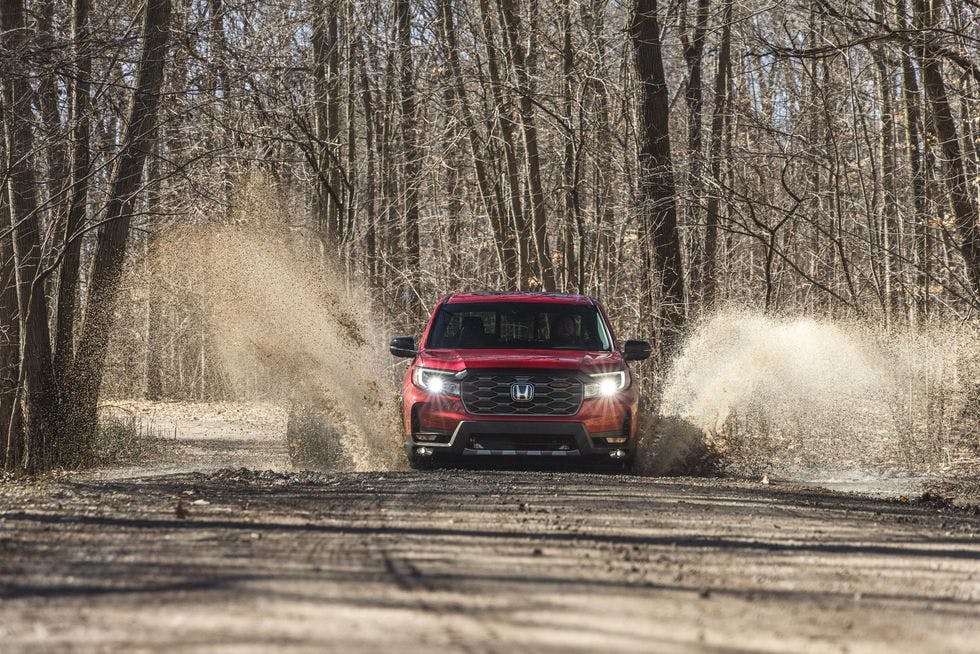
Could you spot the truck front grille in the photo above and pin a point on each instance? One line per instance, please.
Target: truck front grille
(488, 392)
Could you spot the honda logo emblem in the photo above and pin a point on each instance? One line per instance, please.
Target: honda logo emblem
(522, 392)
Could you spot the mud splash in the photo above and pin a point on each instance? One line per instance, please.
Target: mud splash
(803, 398)
(278, 313)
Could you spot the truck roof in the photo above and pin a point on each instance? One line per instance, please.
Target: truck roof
(518, 296)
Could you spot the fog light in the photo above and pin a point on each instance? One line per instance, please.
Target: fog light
(423, 451)
(617, 454)
(616, 440)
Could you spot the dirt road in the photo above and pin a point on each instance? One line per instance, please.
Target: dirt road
(160, 558)
(479, 561)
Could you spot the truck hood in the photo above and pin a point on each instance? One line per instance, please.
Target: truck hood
(550, 359)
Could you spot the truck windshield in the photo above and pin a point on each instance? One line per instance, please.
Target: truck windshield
(523, 325)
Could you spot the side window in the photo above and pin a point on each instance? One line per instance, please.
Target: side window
(597, 332)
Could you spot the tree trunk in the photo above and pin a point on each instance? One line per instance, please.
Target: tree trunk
(48, 93)
(693, 55)
(110, 248)
(39, 396)
(603, 163)
(219, 90)
(371, 234)
(155, 332)
(522, 66)
(504, 240)
(410, 143)
(718, 117)
(321, 187)
(9, 336)
(570, 168)
(336, 209)
(657, 192)
(350, 165)
(155, 335)
(505, 123)
(392, 233)
(890, 244)
(913, 143)
(78, 201)
(964, 212)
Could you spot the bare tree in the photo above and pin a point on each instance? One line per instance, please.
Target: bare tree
(410, 148)
(523, 61)
(79, 89)
(710, 281)
(110, 249)
(504, 124)
(490, 194)
(829, 166)
(657, 192)
(40, 401)
(9, 338)
(693, 50)
(964, 211)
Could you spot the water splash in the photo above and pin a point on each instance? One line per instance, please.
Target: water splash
(795, 395)
(277, 312)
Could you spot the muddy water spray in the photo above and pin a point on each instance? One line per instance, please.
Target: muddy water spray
(274, 309)
(786, 395)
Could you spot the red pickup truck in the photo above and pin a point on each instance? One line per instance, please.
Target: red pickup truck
(519, 374)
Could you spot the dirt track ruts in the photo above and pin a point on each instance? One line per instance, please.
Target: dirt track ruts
(476, 560)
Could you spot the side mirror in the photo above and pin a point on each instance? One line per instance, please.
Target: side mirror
(636, 350)
(402, 346)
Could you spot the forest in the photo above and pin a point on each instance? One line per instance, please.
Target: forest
(672, 158)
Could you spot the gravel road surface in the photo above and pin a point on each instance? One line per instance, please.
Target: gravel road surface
(198, 553)
(478, 560)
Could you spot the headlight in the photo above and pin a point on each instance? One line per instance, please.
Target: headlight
(439, 382)
(606, 384)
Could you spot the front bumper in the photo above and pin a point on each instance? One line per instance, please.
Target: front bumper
(601, 428)
(523, 438)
